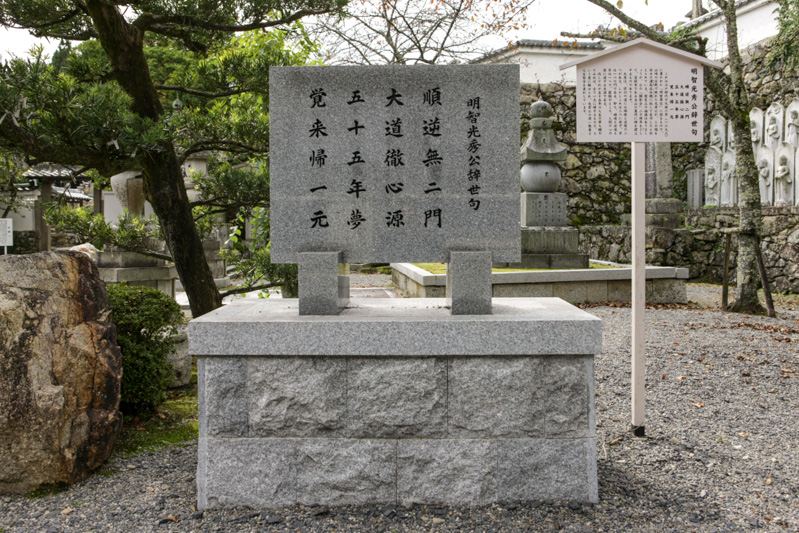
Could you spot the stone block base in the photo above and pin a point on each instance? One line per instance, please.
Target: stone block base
(395, 401)
(268, 473)
(161, 278)
(550, 240)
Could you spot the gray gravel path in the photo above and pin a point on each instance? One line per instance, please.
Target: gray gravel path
(721, 452)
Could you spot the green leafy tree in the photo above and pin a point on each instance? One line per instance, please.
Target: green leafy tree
(11, 169)
(61, 55)
(109, 114)
(731, 98)
(785, 47)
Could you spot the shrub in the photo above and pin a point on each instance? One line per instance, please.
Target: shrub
(145, 319)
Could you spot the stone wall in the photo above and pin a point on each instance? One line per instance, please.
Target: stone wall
(699, 245)
(25, 242)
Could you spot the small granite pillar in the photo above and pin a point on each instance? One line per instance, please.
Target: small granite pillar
(469, 283)
(324, 283)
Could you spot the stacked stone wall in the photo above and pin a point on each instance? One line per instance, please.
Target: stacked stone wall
(699, 245)
(25, 242)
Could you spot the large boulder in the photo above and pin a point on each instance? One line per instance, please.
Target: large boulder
(60, 370)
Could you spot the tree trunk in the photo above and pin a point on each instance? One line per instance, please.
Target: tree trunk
(164, 184)
(123, 44)
(746, 299)
(737, 111)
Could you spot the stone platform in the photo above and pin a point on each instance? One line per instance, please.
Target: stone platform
(663, 284)
(395, 401)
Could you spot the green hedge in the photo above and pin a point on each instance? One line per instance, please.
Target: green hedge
(145, 319)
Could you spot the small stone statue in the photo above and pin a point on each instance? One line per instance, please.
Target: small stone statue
(783, 191)
(775, 115)
(764, 170)
(729, 183)
(772, 130)
(726, 195)
(711, 186)
(539, 172)
(792, 129)
(754, 131)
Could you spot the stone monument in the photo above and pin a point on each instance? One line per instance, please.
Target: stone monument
(547, 239)
(128, 187)
(118, 266)
(332, 401)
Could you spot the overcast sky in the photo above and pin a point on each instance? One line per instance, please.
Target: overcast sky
(546, 20)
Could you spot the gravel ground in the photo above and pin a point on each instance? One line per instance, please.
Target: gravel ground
(720, 452)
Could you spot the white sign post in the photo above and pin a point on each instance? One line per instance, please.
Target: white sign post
(640, 92)
(6, 234)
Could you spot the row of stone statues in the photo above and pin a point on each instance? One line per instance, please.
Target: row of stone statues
(775, 141)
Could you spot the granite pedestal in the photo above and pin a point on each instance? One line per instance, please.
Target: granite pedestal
(395, 401)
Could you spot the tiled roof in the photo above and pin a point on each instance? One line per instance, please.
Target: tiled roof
(47, 170)
(558, 44)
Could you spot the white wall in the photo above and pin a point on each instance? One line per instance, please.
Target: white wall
(112, 208)
(23, 218)
(542, 66)
(756, 21)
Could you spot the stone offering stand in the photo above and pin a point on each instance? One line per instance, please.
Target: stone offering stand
(461, 400)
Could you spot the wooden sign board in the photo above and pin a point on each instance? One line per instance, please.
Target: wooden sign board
(640, 91)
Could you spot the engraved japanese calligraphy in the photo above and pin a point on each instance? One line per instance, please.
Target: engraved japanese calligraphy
(394, 163)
